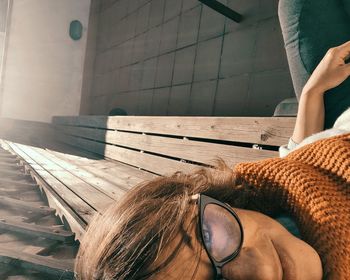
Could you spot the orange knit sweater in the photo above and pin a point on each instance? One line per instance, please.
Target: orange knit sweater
(312, 184)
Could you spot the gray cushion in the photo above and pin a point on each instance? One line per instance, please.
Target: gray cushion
(287, 108)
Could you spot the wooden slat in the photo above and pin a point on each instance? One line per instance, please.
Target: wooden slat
(101, 166)
(90, 159)
(156, 164)
(112, 190)
(90, 195)
(36, 230)
(196, 151)
(67, 204)
(73, 200)
(128, 172)
(60, 269)
(114, 172)
(259, 130)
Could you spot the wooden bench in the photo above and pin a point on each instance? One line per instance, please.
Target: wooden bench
(99, 158)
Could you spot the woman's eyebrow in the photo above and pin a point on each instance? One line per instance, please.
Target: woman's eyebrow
(187, 239)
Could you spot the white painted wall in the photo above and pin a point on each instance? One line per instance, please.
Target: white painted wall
(4, 9)
(44, 66)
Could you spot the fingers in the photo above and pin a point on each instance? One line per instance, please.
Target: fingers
(344, 50)
(345, 45)
(347, 69)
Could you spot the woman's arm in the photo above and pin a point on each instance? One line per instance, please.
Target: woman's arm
(310, 118)
(331, 72)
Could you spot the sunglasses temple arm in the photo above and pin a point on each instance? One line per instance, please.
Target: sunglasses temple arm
(219, 274)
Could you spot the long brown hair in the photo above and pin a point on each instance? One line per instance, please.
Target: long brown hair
(124, 242)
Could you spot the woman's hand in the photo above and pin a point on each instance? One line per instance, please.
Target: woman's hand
(331, 71)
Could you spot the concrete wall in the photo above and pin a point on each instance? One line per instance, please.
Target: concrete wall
(4, 4)
(3, 15)
(89, 63)
(44, 67)
(179, 57)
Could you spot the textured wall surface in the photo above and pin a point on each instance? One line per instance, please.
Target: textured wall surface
(179, 57)
(3, 18)
(89, 61)
(43, 66)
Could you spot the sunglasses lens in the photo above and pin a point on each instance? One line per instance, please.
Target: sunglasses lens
(221, 232)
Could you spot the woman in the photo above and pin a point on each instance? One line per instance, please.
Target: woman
(180, 227)
(155, 231)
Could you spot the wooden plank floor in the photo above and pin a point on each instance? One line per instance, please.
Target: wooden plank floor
(77, 187)
(34, 243)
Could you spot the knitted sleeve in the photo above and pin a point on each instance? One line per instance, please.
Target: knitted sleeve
(312, 184)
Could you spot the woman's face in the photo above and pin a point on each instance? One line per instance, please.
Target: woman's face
(269, 252)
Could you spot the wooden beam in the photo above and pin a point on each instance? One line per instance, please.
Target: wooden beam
(67, 204)
(258, 130)
(9, 160)
(60, 269)
(10, 166)
(26, 206)
(12, 191)
(93, 197)
(17, 184)
(111, 189)
(13, 174)
(115, 172)
(36, 230)
(191, 150)
(149, 162)
(7, 156)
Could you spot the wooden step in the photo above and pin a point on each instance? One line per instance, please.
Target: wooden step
(36, 230)
(26, 206)
(92, 196)
(67, 204)
(7, 156)
(10, 166)
(8, 183)
(33, 242)
(60, 269)
(9, 160)
(14, 174)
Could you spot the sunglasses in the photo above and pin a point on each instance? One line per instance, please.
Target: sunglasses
(221, 232)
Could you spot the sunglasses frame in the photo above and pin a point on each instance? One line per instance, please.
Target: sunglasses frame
(203, 201)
